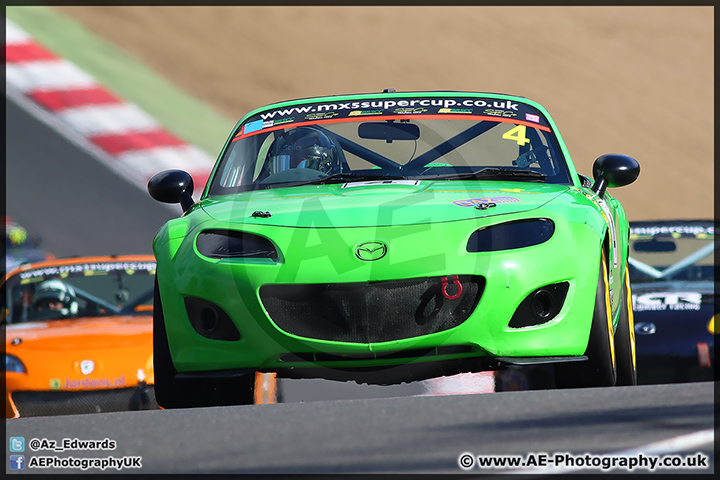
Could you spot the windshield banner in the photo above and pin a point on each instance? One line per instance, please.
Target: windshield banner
(395, 109)
(87, 269)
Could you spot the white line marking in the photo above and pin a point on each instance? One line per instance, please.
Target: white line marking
(674, 444)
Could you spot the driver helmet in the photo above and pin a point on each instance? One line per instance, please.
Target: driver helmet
(54, 295)
(304, 147)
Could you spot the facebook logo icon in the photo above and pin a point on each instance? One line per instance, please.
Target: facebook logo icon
(17, 444)
(17, 462)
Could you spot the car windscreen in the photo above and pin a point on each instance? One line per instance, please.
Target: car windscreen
(79, 290)
(410, 143)
(672, 252)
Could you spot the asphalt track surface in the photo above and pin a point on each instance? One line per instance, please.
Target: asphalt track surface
(389, 435)
(81, 208)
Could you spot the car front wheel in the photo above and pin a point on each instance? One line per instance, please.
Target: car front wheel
(599, 370)
(625, 338)
(172, 392)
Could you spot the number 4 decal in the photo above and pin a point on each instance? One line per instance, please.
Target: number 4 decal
(517, 134)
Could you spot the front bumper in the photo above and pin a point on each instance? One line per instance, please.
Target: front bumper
(51, 403)
(428, 251)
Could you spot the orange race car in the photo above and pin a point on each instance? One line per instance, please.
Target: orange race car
(78, 336)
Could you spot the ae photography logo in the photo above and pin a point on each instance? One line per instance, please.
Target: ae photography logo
(589, 461)
(21, 462)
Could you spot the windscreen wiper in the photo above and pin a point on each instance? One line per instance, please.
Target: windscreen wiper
(344, 177)
(492, 173)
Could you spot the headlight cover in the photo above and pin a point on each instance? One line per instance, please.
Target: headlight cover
(511, 235)
(13, 364)
(226, 244)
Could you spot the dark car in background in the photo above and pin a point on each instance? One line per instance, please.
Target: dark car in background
(672, 273)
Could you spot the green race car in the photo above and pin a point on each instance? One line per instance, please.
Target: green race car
(387, 238)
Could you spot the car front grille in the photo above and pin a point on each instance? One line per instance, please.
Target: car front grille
(49, 403)
(370, 312)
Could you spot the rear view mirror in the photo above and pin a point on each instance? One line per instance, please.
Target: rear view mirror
(654, 246)
(388, 131)
(614, 170)
(172, 186)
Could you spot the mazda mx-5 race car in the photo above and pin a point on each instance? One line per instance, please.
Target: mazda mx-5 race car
(392, 237)
(672, 273)
(78, 336)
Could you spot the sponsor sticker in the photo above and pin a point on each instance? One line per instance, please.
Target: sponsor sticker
(455, 110)
(499, 113)
(84, 268)
(477, 201)
(667, 301)
(71, 384)
(355, 113)
(410, 111)
(321, 116)
(700, 231)
(253, 126)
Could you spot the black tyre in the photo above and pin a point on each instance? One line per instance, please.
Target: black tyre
(171, 392)
(625, 338)
(599, 370)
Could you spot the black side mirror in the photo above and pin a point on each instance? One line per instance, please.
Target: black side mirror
(172, 186)
(614, 170)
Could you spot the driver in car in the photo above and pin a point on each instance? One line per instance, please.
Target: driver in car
(54, 298)
(304, 147)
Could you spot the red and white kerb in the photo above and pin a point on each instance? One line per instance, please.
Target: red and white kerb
(138, 146)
